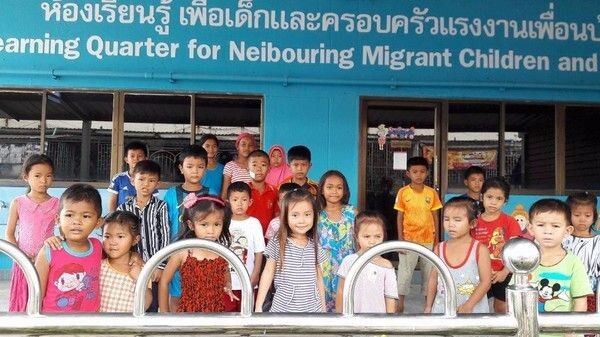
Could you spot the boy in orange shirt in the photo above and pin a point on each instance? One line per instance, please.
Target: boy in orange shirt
(417, 222)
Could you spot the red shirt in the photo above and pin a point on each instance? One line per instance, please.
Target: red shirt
(264, 206)
(494, 235)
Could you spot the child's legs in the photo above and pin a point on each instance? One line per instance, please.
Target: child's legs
(154, 305)
(425, 266)
(407, 261)
(498, 291)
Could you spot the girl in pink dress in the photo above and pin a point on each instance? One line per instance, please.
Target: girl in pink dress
(31, 220)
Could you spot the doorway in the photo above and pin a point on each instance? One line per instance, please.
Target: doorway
(391, 132)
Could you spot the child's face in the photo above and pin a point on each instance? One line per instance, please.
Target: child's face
(239, 202)
(193, 169)
(456, 222)
(417, 174)
(549, 229)
(77, 219)
(211, 148)
(118, 240)
(258, 168)
(244, 147)
(369, 235)
(300, 217)
(208, 227)
(474, 182)
(493, 200)
(39, 178)
(145, 183)
(333, 189)
(276, 158)
(132, 157)
(582, 217)
(299, 168)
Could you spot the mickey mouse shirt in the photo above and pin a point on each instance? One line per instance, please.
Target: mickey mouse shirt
(559, 284)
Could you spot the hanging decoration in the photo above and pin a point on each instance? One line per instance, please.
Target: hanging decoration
(384, 133)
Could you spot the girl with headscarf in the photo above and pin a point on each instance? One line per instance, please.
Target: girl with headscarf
(279, 170)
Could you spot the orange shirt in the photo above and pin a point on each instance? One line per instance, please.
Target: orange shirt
(417, 224)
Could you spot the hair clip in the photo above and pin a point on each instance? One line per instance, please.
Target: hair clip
(191, 199)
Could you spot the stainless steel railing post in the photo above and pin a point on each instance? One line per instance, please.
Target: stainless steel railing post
(521, 256)
(392, 246)
(33, 280)
(247, 300)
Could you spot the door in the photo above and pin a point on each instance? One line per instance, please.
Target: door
(391, 132)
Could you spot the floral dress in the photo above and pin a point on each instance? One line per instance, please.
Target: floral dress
(337, 240)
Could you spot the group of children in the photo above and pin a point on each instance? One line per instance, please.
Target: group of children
(297, 238)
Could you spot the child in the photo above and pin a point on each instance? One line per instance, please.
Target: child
(192, 161)
(237, 170)
(275, 222)
(120, 187)
(69, 277)
(30, 221)
(299, 159)
(155, 228)
(213, 177)
(293, 259)
(279, 170)
(561, 278)
(205, 275)
(583, 242)
(376, 288)
(474, 178)
(247, 239)
(494, 228)
(264, 196)
(335, 229)
(466, 258)
(121, 233)
(417, 221)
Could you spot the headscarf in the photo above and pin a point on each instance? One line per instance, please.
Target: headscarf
(277, 174)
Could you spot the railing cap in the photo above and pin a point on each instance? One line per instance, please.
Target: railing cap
(520, 255)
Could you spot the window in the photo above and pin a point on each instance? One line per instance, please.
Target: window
(530, 140)
(472, 140)
(582, 158)
(78, 135)
(20, 118)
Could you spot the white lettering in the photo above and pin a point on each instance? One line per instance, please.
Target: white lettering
(495, 59)
(98, 47)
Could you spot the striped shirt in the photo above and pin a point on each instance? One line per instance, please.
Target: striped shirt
(588, 250)
(296, 283)
(236, 172)
(154, 230)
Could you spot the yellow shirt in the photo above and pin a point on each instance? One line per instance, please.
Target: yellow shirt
(417, 224)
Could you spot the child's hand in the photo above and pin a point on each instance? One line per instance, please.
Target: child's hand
(156, 274)
(464, 309)
(427, 310)
(54, 242)
(499, 276)
(254, 279)
(134, 270)
(229, 292)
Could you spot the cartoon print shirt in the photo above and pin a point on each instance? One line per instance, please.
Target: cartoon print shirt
(73, 279)
(559, 284)
(494, 234)
(246, 240)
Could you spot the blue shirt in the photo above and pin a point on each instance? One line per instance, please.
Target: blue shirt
(121, 186)
(213, 179)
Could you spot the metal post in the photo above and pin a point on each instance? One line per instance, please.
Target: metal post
(392, 246)
(247, 301)
(521, 256)
(33, 281)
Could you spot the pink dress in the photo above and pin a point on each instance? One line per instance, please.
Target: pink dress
(35, 224)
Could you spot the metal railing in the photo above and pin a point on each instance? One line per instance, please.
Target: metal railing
(520, 256)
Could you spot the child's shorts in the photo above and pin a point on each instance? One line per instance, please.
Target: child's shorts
(407, 263)
(591, 302)
(498, 290)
